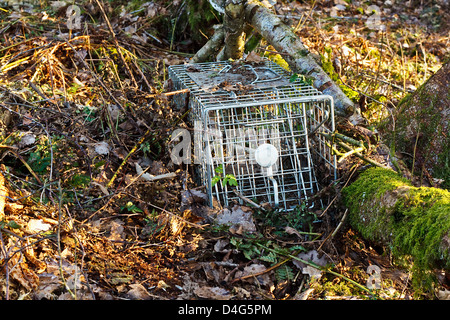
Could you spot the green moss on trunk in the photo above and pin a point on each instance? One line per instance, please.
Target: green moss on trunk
(414, 222)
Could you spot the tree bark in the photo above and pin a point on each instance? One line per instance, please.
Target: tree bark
(419, 134)
(233, 24)
(285, 41)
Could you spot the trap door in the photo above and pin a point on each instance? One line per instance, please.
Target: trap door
(231, 137)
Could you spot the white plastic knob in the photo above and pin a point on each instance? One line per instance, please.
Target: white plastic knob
(266, 155)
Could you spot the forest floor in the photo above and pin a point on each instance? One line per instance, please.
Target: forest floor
(83, 112)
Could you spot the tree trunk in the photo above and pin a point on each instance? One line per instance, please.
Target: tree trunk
(233, 24)
(419, 134)
(386, 209)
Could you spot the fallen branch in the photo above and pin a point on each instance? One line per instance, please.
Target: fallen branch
(412, 221)
(248, 200)
(212, 47)
(332, 234)
(297, 55)
(149, 177)
(167, 94)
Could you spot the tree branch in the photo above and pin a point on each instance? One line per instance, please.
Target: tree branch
(297, 55)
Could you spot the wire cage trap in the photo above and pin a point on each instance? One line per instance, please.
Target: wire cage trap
(257, 133)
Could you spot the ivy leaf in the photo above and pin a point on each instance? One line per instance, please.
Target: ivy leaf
(214, 180)
(14, 225)
(293, 77)
(219, 169)
(230, 179)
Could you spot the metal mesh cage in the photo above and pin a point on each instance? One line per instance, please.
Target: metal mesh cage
(254, 125)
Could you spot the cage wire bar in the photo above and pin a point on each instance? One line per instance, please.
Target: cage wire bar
(238, 110)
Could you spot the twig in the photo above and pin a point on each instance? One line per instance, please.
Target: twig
(3, 195)
(142, 75)
(331, 235)
(355, 152)
(49, 141)
(103, 85)
(254, 275)
(27, 166)
(128, 156)
(6, 260)
(414, 154)
(195, 225)
(334, 199)
(248, 200)
(58, 241)
(167, 94)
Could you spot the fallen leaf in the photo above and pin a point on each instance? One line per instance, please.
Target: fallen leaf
(27, 139)
(101, 148)
(162, 285)
(138, 292)
(220, 245)
(48, 284)
(213, 293)
(239, 220)
(254, 269)
(37, 225)
(253, 57)
(102, 188)
(313, 257)
(290, 230)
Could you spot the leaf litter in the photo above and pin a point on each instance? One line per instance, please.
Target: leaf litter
(93, 208)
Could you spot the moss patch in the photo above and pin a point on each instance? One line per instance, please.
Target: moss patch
(413, 222)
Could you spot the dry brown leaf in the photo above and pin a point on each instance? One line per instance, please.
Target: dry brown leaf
(138, 292)
(253, 57)
(48, 284)
(20, 272)
(258, 270)
(213, 293)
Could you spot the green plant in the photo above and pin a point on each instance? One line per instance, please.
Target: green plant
(130, 207)
(256, 246)
(39, 161)
(79, 180)
(302, 78)
(228, 179)
(300, 219)
(41, 157)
